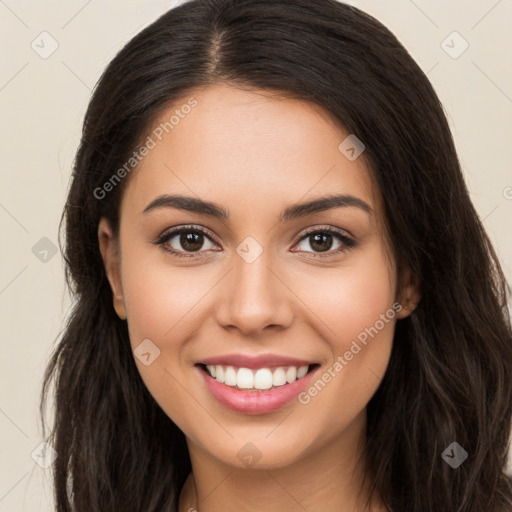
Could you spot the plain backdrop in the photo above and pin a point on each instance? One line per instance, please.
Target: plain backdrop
(464, 47)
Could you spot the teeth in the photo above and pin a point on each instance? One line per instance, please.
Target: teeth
(291, 374)
(302, 370)
(261, 379)
(219, 371)
(279, 377)
(230, 376)
(244, 378)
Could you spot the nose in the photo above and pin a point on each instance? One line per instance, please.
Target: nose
(254, 296)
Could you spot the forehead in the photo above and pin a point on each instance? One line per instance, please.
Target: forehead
(247, 150)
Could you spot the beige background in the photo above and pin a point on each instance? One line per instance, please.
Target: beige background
(43, 101)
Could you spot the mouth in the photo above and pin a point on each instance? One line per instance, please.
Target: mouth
(258, 389)
(256, 379)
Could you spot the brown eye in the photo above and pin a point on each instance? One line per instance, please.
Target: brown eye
(322, 241)
(190, 241)
(185, 240)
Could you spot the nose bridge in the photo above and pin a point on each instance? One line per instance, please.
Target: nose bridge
(255, 297)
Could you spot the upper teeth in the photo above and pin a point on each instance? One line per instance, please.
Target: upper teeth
(263, 378)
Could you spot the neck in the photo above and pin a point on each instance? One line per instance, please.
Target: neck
(327, 478)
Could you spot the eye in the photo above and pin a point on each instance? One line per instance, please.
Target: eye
(191, 240)
(186, 239)
(322, 240)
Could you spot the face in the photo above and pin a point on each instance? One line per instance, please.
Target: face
(255, 275)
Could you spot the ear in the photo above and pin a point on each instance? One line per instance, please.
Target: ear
(410, 295)
(110, 254)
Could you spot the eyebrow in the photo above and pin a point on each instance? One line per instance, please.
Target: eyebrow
(202, 207)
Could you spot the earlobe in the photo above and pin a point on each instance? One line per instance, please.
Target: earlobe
(410, 296)
(110, 255)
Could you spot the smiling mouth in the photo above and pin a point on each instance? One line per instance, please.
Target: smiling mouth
(261, 379)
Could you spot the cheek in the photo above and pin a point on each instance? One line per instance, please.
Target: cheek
(353, 308)
(162, 304)
(351, 298)
(161, 298)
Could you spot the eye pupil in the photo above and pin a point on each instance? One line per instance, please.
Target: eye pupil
(191, 241)
(319, 239)
(182, 241)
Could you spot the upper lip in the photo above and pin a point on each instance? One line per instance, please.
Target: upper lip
(261, 361)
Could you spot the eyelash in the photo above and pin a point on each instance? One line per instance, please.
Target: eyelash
(347, 243)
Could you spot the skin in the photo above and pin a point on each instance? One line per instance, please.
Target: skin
(255, 154)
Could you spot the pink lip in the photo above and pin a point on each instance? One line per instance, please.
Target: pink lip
(262, 361)
(255, 402)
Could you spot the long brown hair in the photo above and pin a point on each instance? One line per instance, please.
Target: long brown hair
(450, 374)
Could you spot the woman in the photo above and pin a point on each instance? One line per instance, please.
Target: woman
(285, 297)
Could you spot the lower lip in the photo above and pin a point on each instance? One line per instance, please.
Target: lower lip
(255, 402)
